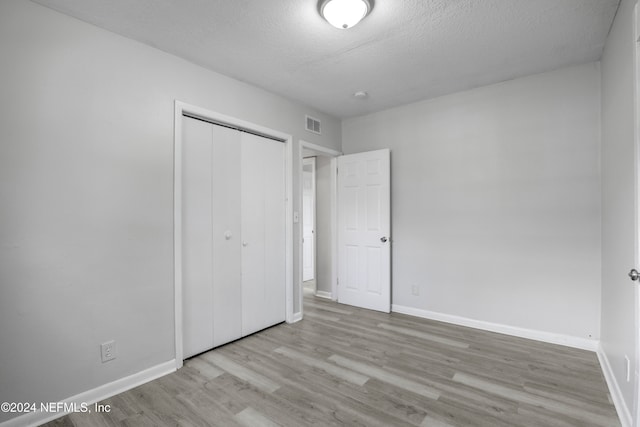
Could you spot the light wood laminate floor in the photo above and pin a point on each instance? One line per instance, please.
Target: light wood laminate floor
(346, 366)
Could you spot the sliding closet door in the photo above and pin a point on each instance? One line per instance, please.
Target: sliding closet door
(197, 292)
(263, 233)
(225, 196)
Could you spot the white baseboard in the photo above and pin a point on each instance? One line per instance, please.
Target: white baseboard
(614, 389)
(95, 395)
(296, 317)
(549, 337)
(570, 341)
(323, 294)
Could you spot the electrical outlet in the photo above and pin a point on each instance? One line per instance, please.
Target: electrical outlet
(108, 351)
(628, 367)
(415, 290)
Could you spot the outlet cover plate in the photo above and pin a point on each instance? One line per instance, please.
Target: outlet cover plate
(108, 351)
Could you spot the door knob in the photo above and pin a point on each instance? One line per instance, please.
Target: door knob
(244, 243)
(634, 275)
(383, 239)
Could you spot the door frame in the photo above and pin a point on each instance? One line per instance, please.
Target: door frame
(636, 83)
(333, 154)
(310, 161)
(180, 108)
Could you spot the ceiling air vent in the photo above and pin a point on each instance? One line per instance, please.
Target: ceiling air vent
(313, 125)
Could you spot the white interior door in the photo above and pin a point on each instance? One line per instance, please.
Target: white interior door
(636, 376)
(308, 219)
(263, 233)
(364, 225)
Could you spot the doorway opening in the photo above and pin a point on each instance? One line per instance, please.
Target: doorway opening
(309, 225)
(353, 247)
(318, 261)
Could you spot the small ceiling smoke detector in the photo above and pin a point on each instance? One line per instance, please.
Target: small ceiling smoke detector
(361, 94)
(344, 14)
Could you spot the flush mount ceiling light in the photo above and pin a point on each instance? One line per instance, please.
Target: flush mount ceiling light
(344, 14)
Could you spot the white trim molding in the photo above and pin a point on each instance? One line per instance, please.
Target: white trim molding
(92, 396)
(624, 412)
(549, 337)
(614, 389)
(319, 148)
(636, 106)
(323, 294)
(334, 228)
(180, 109)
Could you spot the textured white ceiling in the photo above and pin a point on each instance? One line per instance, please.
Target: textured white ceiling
(404, 51)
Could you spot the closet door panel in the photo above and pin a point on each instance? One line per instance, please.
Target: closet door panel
(197, 293)
(226, 235)
(263, 213)
(233, 234)
(253, 233)
(274, 218)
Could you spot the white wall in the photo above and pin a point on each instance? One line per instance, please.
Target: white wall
(496, 201)
(618, 196)
(86, 196)
(323, 224)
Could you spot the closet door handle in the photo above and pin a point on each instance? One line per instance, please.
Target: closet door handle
(244, 243)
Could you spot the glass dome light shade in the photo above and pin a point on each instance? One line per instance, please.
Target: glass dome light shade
(344, 14)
